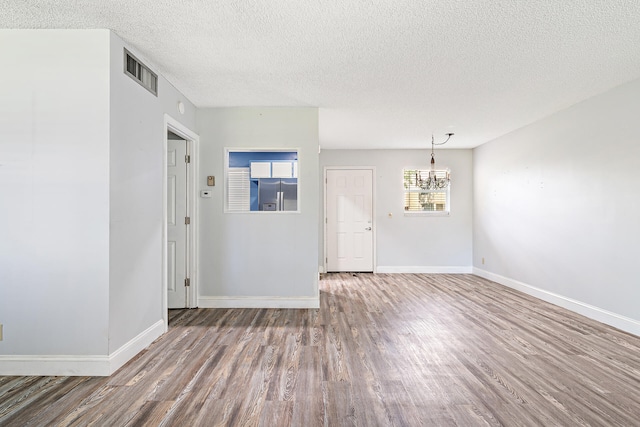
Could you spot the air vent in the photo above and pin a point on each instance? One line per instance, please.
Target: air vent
(140, 73)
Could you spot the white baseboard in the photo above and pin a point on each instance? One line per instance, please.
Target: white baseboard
(118, 358)
(79, 365)
(425, 269)
(612, 319)
(258, 302)
(54, 365)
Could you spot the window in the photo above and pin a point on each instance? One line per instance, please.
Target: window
(261, 181)
(426, 191)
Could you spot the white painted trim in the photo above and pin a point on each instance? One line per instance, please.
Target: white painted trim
(25, 365)
(595, 313)
(424, 269)
(301, 182)
(323, 267)
(79, 365)
(118, 358)
(193, 143)
(258, 302)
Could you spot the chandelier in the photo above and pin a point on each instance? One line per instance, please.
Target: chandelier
(436, 180)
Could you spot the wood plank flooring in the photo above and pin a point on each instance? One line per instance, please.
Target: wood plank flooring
(383, 350)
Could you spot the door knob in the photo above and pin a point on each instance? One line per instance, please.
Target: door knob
(368, 228)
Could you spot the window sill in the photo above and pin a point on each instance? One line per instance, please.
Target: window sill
(426, 214)
(262, 212)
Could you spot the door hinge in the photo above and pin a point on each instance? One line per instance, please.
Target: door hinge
(326, 221)
(187, 159)
(187, 282)
(187, 220)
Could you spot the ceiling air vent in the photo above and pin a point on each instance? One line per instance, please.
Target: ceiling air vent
(140, 73)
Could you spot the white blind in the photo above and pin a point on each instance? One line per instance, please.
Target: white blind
(412, 176)
(238, 190)
(426, 201)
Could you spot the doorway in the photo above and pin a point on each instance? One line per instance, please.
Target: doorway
(180, 227)
(349, 219)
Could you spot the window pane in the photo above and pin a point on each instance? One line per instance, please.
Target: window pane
(426, 190)
(267, 181)
(429, 201)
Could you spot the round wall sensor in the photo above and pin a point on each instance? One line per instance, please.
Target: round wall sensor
(181, 107)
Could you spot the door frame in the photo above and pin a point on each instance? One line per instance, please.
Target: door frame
(193, 144)
(373, 211)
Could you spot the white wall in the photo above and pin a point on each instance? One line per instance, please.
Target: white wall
(136, 197)
(556, 208)
(258, 259)
(54, 192)
(81, 187)
(415, 243)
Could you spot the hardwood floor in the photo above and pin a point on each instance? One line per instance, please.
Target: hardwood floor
(403, 350)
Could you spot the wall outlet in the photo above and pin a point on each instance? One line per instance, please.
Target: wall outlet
(482, 260)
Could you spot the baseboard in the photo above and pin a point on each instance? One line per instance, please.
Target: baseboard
(76, 365)
(54, 365)
(118, 358)
(623, 323)
(425, 269)
(258, 302)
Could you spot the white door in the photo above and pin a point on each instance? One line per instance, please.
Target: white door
(349, 222)
(177, 263)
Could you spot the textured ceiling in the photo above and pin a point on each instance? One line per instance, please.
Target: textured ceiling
(384, 73)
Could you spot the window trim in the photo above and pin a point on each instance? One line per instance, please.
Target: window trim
(228, 150)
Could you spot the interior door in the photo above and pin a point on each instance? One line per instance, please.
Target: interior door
(349, 221)
(176, 225)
